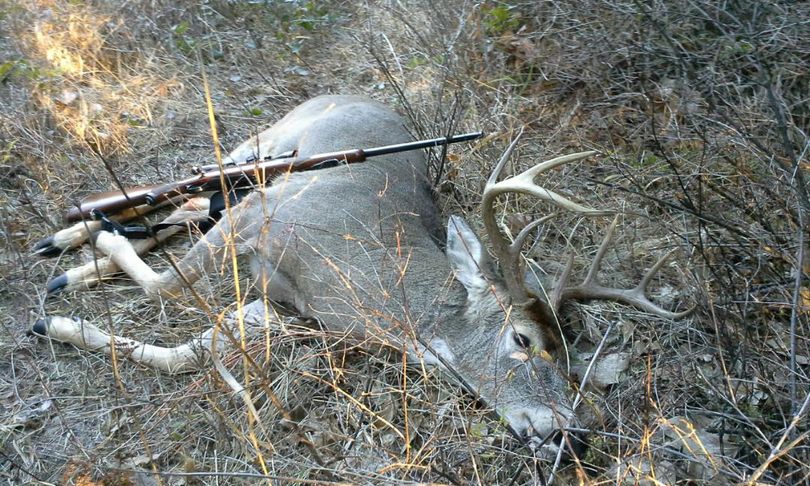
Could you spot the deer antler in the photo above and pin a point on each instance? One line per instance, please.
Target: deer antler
(508, 254)
(591, 289)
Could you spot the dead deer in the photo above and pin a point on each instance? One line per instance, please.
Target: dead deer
(359, 249)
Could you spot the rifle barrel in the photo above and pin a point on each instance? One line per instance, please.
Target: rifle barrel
(433, 142)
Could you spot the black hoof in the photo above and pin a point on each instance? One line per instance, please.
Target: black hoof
(40, 327)
(55, 285)
(46, 248)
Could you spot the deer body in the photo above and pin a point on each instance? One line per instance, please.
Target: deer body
(358, 248)
(361, 249)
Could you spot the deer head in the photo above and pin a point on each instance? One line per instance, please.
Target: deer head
(516, 329)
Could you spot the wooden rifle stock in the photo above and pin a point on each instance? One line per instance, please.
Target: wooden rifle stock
(242, 175)
(110, 202)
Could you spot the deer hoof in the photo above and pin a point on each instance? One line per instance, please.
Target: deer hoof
(55, 285)
(47, 248)
(40, 328)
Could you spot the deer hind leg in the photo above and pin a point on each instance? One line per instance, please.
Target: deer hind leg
(91, 273)
(185, 358)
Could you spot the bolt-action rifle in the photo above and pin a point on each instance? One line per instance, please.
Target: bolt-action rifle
(242, 175)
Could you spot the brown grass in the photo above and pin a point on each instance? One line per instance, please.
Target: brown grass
(701, 115)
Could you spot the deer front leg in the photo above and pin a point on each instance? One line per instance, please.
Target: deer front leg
(66, 239)
(91, 273)
(122, 254)
(199, 259)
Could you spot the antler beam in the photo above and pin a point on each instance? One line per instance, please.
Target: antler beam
(509, 253)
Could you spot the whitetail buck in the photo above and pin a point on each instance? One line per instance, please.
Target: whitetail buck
(359, 249)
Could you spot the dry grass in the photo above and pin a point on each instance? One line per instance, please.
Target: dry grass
(702, 117)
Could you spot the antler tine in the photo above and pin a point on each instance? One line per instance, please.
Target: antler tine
(517, 244)
(600, 254)
(524, 183)
(496, 172)
(636, 297)
(556, 299)
(509, 253)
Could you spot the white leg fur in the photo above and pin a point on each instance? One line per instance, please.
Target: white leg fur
(79, 233)
(121, 251)
(76, 235)
(91, 273)
(180, 359)
(82, 334)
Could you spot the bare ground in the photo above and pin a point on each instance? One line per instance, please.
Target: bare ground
(700, 113)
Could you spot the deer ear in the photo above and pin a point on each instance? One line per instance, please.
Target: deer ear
(466, 255)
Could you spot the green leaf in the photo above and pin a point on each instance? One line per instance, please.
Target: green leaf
(500, 19)
(6, 68)
(180, 28)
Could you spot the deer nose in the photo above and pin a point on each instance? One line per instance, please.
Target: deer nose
(575, 443)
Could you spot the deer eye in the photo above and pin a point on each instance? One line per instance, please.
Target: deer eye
(522, 340)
